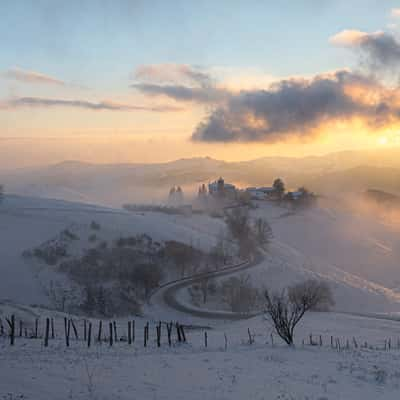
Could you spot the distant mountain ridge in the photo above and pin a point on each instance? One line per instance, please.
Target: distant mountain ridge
(347, 171)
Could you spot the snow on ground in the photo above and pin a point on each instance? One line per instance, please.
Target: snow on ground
(358, 244)
(297, 251)
(337, 246)
(190, 371)
(28, 370)
(26, 222)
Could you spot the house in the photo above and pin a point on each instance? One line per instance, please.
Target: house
(297, 194)
(219, 188)
(261, 193)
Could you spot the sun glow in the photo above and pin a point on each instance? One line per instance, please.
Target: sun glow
(383, 140)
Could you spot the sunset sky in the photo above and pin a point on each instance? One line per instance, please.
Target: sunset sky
(141, 81)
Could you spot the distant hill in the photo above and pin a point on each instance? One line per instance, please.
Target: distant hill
(114, 184)
(383, 199)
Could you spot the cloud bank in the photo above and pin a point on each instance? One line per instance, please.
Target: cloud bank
(289, 108)
(298, 107)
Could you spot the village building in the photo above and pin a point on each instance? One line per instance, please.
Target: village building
(221, 189)
(261, 193)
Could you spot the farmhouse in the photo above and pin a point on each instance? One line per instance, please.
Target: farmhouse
(261, 193)
(219, 188)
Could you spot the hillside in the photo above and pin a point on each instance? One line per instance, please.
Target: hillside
(325, 243)
(318, 242)
(28, 222)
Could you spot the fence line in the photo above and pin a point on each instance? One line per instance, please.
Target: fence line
(116, 334)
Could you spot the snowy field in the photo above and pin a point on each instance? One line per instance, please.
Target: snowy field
(191, 371)
(317, 243)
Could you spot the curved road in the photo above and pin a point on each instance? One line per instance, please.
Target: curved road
(167, 292)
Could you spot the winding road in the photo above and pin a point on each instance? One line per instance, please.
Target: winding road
(166, 293)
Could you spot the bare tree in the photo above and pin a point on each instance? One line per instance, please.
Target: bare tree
(262, 231)
(239, 226)
(204, 287)
(239, 293)
(148, 277)
(288, 308)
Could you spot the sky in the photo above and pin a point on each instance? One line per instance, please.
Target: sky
(139, 81)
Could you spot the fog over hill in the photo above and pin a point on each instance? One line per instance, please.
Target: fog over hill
(114, 184)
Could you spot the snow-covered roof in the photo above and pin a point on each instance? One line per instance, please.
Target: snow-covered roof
(261, 189)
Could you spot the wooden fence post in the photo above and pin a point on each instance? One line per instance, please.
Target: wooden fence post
(11, 323)
(66, 331)
(169, 331)
(183, 333)
(84, 330)
(178, 332)
(89, 338)
(111, 333)
(250, 337)
(20, 328)
(46, 336)
(129, 332)
(158, 331)
(52, 328)
(115, 331)
(74, 328)
(205, 339)
(36, 328)
(145, 336)
(226, 341)
(99, 332)
(133, 331)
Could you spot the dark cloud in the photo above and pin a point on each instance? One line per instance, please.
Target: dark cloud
(183, 93)
(294, 108)
(103, 105)
(382, 50)
(378, 50)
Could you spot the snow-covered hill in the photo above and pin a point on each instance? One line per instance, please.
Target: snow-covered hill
(359, 261)
(313, 243)
(25, 223)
